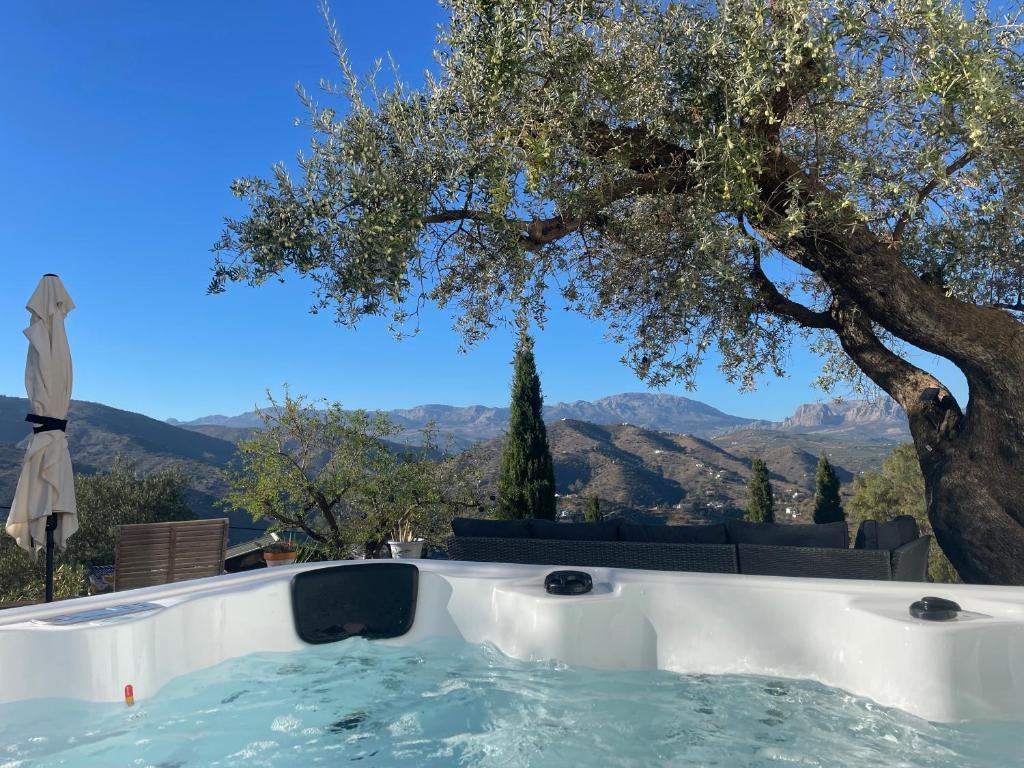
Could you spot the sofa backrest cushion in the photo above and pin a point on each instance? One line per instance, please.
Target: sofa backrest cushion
(495, 529)
(675, 534)
(897, 532)
(607, 530)
(811, 562)
(832, 535)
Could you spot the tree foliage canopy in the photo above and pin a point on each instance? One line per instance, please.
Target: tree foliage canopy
(119, 496)
(123, 496)
(654, 162)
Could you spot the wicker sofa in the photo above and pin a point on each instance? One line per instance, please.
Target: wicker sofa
(883, 551)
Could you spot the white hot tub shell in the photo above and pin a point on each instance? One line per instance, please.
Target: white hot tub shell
(854, 635)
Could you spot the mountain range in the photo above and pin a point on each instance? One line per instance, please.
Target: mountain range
(643, 455)
(856, 420)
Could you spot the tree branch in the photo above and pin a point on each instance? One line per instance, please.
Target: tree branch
(845, 253)
(927, 189)
(298, 522)
(778, 303)
(315, 493)
(1017, 307)
(325, 509)
(537, 233)
(801, 81)
(540, 232)
(932, 410)
(644, 152)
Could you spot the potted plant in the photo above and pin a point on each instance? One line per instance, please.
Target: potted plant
(279, 553)
(403, 545)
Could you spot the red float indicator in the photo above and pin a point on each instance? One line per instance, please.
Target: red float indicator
(129, 695)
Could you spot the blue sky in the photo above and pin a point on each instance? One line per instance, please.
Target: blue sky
(122, 125)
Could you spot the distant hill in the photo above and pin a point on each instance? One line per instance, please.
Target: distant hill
(857, 420)
(230, 434)
(692, 464)
(774, 445)
(880, 419)
(642, 473)
(98, 434)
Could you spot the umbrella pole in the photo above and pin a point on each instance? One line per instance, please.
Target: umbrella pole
(51, 525)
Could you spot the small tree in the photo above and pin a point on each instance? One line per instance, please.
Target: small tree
(526, 487)
(408, 494)
(760, 500)
(300, 468)
(123, 496)
(593, 512)
(827, 506)
(333, 475)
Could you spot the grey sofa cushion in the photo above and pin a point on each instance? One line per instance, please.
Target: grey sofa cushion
(547, 529)
(675, 534)
(897, 532)
(496, 529)
(832, 535)
(705, 558)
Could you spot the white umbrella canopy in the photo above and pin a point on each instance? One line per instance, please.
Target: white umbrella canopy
(46, 485)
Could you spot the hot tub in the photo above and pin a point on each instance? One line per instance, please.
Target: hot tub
(858, 637)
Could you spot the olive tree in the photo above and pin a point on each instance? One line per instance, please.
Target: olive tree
(739, 176)
(339, 478)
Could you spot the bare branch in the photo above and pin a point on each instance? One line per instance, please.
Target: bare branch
(457, 214)
(540, 232)
(778, 303)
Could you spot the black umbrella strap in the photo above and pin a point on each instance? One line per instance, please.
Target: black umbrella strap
(47, 423)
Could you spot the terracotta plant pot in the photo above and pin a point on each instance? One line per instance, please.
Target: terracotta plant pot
(279, 558)
(406, 550)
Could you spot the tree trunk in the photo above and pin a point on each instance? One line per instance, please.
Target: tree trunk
(973, 461)
(974, 487)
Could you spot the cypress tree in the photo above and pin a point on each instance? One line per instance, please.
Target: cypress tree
(526, 487)
(760, 501)
(827, 507)
(593, 512)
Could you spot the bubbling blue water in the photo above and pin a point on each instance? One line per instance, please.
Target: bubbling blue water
(444, 703)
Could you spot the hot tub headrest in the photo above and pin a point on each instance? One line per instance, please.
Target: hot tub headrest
(371, 600)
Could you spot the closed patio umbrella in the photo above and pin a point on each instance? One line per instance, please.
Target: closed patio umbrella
(43, 512)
